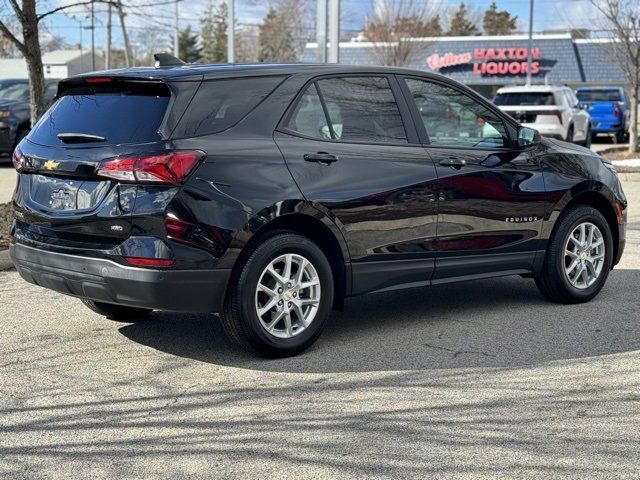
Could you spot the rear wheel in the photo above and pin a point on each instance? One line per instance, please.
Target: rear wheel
(620, 136)
(277, 304)
(569, 135)
(587, 139)
(117, 312)
(578, 258)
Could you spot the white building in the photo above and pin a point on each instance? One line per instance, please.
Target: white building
(57, 64)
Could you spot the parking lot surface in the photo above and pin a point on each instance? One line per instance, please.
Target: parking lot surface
(476, 380)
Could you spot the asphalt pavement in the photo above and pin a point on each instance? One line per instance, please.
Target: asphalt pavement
(477, 380)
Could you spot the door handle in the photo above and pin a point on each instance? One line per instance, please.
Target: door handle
(321, 157)
(456, 163)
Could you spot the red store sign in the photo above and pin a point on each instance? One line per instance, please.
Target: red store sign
(490, 61)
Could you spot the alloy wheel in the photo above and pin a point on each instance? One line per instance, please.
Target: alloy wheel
(287, 295)
(584, 255)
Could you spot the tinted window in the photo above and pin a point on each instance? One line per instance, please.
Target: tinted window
(524, 98)
(452, 118)
(121, 114)
(363, 109)
(220, 104)
(599, 96)
(308, 117)
(18, 92)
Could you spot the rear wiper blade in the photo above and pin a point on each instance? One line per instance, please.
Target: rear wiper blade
(80, 137)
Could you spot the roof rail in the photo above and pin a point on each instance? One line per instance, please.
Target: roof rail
(167, 60)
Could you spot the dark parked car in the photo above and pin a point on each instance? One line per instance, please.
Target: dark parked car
(609, 110)
(270, 193)
(15, 113)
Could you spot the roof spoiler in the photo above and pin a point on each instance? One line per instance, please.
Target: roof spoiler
(167, 60)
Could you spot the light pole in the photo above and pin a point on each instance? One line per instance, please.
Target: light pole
(530, 49)
(231, 32)
(321, 31)
(334, 31)
(176, 31)
(93, 37)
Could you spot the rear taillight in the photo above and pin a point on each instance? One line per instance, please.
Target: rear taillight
(166, 167)
(18, 159)
(616, 110)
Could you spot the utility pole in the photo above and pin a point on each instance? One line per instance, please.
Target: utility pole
(93, 37)
(334, 31)
(321, 31)
(530, 52)
(231, 32)
(176, 31)
(107, 58)
(81, 49)
(125, 35)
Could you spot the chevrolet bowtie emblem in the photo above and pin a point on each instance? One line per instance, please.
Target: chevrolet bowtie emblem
(50, 165)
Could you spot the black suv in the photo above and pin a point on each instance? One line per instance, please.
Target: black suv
(270, 193)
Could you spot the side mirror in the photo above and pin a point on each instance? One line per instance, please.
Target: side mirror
(527, 136)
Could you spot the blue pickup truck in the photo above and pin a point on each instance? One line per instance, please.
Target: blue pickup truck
(609, 110)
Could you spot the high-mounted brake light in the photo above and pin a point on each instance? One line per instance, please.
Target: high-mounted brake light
(167, 167)
(98, 80)
(18, 159)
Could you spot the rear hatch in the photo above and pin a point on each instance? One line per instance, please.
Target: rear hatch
(60, 199)
(529, 106)
(604, 105)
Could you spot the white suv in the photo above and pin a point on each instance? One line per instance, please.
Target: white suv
(553, 111)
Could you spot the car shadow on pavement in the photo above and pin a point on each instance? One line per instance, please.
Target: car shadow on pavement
(493, 323)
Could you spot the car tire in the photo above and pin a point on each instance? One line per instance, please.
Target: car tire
(570, 134)
(620, 136)
(119, 313)
(297, 315)
(587, 139)
(557, 280)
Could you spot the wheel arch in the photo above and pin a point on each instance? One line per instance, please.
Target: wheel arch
(600, 199)
(311, 223)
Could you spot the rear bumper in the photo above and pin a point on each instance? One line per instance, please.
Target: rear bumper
(606, 127)
(106, 281)
(548, 130)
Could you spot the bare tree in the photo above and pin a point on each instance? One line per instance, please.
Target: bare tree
(393, 24)
(622, 22)
(28, 20)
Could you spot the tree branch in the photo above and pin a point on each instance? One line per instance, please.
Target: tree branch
(12, 38)
(77, 4)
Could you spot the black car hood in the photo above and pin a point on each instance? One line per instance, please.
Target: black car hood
(559, 145)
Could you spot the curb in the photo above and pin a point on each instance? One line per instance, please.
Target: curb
(5, 260)
(613, 149)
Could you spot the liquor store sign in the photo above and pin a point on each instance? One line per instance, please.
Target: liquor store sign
(489, 62)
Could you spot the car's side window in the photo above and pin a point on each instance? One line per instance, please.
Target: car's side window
(363, 109)
(308, 116)
(451, 118)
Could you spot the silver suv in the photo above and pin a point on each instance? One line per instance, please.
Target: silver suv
(553, 111)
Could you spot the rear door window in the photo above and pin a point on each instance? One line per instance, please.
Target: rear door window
(121, 113)
(220, 104)
(362, 110)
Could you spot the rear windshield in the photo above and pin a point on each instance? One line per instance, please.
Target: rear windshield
(599, 95)
(524, 98)
(220, 104)
(120, 113)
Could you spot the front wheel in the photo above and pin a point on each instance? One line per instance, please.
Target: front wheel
(277, 304)
(578, 258)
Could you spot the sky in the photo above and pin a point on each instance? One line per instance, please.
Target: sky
(548, 14)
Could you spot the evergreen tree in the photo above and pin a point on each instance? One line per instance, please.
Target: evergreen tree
(213, 33)
(188, 45)
(461, 25)
(276, 39)
(498, 23)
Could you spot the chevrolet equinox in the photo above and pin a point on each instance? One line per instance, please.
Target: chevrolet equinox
(270, 193)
